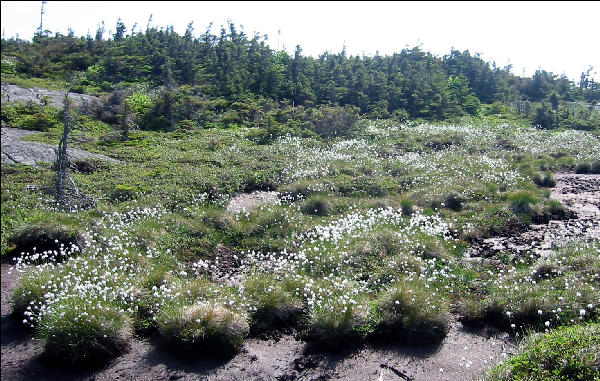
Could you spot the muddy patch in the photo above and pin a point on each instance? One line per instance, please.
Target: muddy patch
(580, 194)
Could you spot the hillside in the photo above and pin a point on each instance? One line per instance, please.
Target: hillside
(235, 213)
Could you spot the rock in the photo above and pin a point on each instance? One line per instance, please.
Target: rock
(14, 150)
(13, 93)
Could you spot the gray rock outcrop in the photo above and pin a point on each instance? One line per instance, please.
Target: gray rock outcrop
(13, 93)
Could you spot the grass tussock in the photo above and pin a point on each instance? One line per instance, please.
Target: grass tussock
(81, 335)
(275, 305)
(202, 329)
(411, 313)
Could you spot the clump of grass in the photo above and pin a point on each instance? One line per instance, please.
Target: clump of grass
(123, 192)
(47, 237)
(274, 305)
(217, 219)
(555, 209)
(28, 297)
(545, 182)
(583, 168)
(540, 296)
(407, 206)
(454, 202)
(337, 323)
(566, 353)
(545, 270)
(410, 312)
(78, 334)
(521, 202)
(428, 247)
(317, 207)
(202, 329)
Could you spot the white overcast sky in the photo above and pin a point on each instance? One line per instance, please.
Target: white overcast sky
(561, 37)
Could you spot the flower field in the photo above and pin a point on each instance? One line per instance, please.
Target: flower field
(367, 240)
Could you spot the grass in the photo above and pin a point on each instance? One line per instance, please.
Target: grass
(82, 333)
(275, 303)
(565, 353)
(411, 313)
(559, 290)
(202, 329)
(366, 240)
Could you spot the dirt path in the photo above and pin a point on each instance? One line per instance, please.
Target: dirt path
(461, 355)
(15, 150)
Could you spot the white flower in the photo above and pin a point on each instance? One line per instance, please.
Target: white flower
(582, 312)
(547, 323)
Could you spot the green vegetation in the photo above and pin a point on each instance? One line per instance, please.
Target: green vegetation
(567, 353)
(387, 169)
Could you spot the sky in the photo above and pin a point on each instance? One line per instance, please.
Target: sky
(560, 37)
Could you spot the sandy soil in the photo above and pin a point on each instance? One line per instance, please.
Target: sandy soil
(461, 356)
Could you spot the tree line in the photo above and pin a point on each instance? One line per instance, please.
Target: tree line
(231, 66)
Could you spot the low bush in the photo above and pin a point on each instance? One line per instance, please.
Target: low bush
(566, 353)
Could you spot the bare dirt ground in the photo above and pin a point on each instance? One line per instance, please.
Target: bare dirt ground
(580, 193)
(461, 356)
(245, 201)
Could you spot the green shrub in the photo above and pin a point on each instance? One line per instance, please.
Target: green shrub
(563, 354)
(31, 116)
(202, 329)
